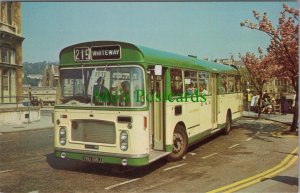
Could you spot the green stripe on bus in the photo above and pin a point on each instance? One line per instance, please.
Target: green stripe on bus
(220, 126)
(169, 148)
(234, 120)
(199, 136)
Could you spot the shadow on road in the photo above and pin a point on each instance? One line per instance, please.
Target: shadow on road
(260, 129)
(292, 181)
(206, 140)
(103, 169)
(287, 153)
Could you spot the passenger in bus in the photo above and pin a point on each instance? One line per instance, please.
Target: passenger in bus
(125, 96)
(191, 89)
(180, 88)
(101, 93)
(202, 90)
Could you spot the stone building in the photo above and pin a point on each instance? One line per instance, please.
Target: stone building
(50, 76)
(11, 52)
(11, 108)
(274, 86)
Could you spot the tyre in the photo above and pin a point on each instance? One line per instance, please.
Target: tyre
(228, 123)
(180, 144)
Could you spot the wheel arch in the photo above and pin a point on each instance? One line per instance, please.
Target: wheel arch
(181, 123)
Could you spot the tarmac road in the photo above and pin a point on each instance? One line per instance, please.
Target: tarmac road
(27, 164)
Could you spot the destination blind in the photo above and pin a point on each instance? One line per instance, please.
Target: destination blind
(106, 52)
(97, 53)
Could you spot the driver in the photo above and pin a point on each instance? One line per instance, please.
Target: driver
(101, 93)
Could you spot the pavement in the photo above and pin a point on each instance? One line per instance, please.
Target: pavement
(44, 123)
(286, 119)
(286, 181)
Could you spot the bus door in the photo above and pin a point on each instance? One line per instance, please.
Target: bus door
(157, 111)
(214, 101)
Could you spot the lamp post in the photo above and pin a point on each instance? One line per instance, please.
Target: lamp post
(29, 95)
(248, 96)
(29, 103)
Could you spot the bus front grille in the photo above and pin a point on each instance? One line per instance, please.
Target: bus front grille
(93, 131)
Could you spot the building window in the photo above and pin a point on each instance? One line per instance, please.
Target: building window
(8, 55)
(2, 11)
(4, 55)
(5, 73)
(12, 56)
(55, 82)
(9, 13)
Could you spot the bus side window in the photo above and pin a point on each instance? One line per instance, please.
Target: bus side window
(176, 82)
(224, 83)
(237, 83)
(231, 83)
(204, 83)
(190, 80)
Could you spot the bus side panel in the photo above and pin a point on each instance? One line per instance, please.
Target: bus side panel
(205, 114)
(189, 117)
(233, 102)
(195, 116)
(222, 110)
(171, 121)
(238, 106)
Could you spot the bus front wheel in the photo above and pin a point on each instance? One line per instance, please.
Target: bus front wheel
(228, 124)
(180, 144)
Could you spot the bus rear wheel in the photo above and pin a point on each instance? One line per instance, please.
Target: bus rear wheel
(228, 124)
(180, 144)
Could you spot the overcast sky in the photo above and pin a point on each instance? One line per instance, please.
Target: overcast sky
(203, 29)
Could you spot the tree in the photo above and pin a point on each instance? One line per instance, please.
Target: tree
(260, 70)
(283, 48)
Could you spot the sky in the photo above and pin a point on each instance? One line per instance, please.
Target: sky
(204, 29)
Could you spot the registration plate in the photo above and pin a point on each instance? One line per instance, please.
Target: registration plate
(92, 159)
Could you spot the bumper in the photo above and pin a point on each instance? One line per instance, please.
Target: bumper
(138, 160)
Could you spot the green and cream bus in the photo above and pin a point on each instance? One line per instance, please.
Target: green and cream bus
(120, 103)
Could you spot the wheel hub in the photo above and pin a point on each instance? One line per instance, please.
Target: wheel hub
(178, 142)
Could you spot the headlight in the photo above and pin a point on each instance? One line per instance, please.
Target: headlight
(62, 135)
(62, 131)
(124, 136)
(123, 140)
(124, 146)
(62, 141)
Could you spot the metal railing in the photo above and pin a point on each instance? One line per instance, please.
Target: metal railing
(18, 101)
